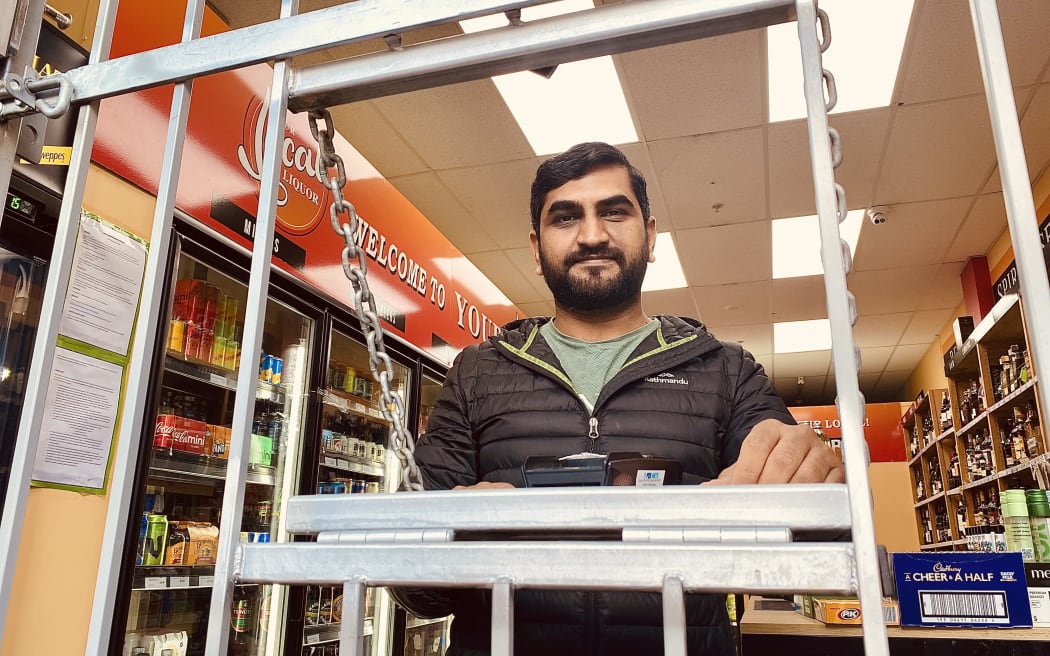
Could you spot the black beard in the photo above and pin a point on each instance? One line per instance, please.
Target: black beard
(593, 294)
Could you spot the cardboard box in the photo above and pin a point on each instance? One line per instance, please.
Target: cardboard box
(203, 544)
(963, 328)
(1037, 576)
(843, 610)
(962, 589)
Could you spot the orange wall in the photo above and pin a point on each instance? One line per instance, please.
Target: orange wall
(54, 581)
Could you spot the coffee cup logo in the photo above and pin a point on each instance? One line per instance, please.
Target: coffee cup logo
(302, 199)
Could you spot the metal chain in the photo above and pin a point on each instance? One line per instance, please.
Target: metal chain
(835, 142)
(355, 267)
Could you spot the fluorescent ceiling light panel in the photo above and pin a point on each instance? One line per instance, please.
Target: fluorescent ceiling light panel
(796, 244)
(582, 101)
(799, 336)
(865, 54)
(666, 271)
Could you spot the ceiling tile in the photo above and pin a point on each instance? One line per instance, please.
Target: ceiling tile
(436, 202)
(525, 263)
(726, 254)
(446, 128)
(734, 304)
(498, 268)
(913, 234)
(874, 359)
(943, 289)
(497, 196)
(676, 302)
(799, 299)
(890, 290)
(942, 60)
(980, 229)
(873, 330)
(809, 363)
(541, 309)
(863, 136)
(712, 179)
(926, 326)
(695, 87)
(867, 382)
(938, 150)
(906, 358)
(377, 139)
(755, 338)
(891, 384)
(1035, 135)
(638, 155)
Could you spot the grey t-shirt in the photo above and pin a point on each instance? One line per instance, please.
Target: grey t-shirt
(590, 365)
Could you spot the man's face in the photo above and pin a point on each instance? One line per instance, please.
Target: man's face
(593, 242)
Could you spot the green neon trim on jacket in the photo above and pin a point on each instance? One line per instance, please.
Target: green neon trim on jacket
(660, 349)
(536, 361)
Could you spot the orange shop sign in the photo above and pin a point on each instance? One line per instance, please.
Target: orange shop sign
(427, 291)
(882, 427)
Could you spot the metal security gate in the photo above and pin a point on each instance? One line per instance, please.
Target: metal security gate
(742, 539)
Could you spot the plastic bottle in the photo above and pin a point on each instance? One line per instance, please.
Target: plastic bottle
(1039, 518)
(1015, 519)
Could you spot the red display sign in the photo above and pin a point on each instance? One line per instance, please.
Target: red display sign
(427, 291)
(882, 427)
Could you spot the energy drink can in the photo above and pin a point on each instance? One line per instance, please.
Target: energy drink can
(266, 368)
(277, 369)
(232, 357)
(176, 335)
(192, 343)
(207, 341)
(338, 488)
(357, 487)
(218, 351)
(349, 380)
(371, 487)
(325, 488)
(155, 542)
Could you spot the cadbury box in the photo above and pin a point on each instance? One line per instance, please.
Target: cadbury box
(962, 589)
(1038, 577)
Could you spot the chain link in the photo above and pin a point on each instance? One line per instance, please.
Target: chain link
(355, 267)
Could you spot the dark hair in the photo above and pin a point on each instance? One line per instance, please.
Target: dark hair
(575, 163)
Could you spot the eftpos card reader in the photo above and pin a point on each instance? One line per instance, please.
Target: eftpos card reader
(619, 469)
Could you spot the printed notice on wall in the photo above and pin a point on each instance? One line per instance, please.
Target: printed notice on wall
(104, 286)
(80, 413)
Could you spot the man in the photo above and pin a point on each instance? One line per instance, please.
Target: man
(602, 376)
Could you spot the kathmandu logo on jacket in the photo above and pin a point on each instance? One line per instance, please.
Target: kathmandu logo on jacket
(667, 378)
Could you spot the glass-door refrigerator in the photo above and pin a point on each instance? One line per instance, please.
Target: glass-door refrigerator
(350, 443)
(169, 568)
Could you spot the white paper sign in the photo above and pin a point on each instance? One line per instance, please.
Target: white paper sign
(104, 287)
(80, 413)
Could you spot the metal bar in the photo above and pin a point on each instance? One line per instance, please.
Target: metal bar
(251, 346)
(153, 307)
(604, 30)
(352, 630)
(274, 40)
(597, 565)
(802, 507)
(17, 64)
(503, 617)
(842, 315)
(24, 456)
(1017, 190)
(674, 617)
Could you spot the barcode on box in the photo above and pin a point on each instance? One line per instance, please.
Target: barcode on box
(889, 614)
(971, 606)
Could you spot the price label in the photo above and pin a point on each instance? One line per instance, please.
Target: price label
(179, 582)
(331, 462)
(206, 581)
(313, 638)
(154, 582)
(344, 464)
(217, 379)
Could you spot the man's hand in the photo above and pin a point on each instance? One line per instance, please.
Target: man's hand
(774, 452)
(485, 485)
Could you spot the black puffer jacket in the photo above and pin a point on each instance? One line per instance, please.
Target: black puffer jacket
(682, 394)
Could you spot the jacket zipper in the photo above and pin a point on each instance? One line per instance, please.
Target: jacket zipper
(593, 432)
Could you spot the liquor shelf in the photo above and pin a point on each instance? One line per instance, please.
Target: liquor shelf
(948, 433)
(172, 467)
(173, 577)
(1009, 471)
(318, 633)
(353, 466)
(350, 403)
(201, 371)
(936, 497)
(1022, 394)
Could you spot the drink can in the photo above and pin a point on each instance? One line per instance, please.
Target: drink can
(155, 544)
(325, 488)
(266, 368)
(218, 351)
(195, 307)
(211, 307)
(338, 488)
(277, 365)
(357, 487)
(192, 344)
(262, 537)
(207, 340)
(176, 335)
(246, 537)
(231, 316)
(232, 357)
(164, 431)
(349, 380)
(371, 487)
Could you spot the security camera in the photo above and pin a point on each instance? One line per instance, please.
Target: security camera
(877, 215)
